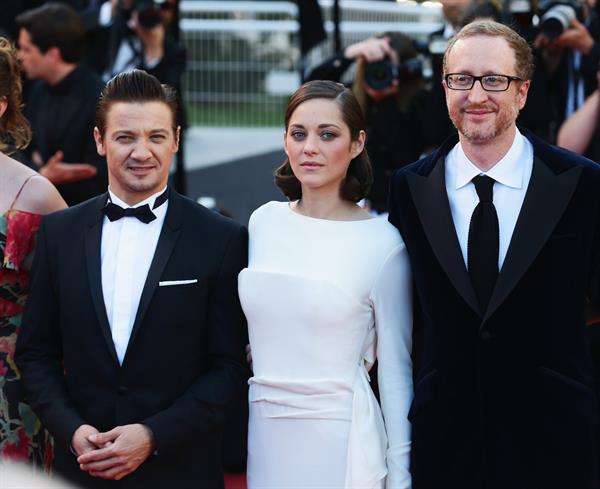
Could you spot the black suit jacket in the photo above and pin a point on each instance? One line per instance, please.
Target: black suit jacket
(185, 359)
(504, 397)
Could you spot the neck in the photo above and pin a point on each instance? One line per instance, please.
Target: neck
(485, 154)
(324, 205)
(59, 73)
(133, 198)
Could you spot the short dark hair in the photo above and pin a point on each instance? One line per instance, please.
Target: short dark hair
(359, 177)
(55, 25)
(135, 86)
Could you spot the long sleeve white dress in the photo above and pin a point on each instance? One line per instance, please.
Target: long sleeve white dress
(323, 299)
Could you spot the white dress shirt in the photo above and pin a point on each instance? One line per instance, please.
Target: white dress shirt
(512, 174)
(127, 249)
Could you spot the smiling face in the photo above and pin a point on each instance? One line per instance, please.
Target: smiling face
(478, 115)
(319, 146)
(139, 144)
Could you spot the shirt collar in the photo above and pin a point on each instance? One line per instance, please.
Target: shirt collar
(150, 200)
(508, 171)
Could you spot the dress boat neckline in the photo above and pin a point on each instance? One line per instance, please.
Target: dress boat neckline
(288, 206)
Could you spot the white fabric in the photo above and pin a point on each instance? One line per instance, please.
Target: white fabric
(512, 174)
(322, 299)
(127, 249)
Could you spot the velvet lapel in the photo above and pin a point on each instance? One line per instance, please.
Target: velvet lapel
(93, 238)
(166, 242)
(431, 200)
(547, 197)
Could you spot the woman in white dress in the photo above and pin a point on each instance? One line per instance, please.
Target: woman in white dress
(327, 290)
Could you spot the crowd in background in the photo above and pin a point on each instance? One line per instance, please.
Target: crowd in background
(68, 50)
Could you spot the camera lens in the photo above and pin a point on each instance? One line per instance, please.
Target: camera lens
(556, 20)
(381, 74)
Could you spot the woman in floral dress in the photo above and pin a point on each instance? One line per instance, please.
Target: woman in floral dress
(24, 197)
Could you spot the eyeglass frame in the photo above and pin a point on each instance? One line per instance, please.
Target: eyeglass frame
(480, 80)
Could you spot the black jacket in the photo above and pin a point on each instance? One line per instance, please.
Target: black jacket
(185, 359)
(504, 397)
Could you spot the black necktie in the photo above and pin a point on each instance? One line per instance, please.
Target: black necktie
(483, 244)
(115, 212)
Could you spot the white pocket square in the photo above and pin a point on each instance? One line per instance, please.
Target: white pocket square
(166, 283)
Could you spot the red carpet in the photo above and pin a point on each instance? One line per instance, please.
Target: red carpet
(235, 481)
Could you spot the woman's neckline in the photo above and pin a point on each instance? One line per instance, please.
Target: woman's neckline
(288, 205)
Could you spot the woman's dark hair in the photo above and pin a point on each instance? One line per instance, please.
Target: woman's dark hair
(15, 131)
(135, 86)
(359, 176)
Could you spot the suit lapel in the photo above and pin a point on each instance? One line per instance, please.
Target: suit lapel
(93, 236)
(547, 197)
(431, 200)
(166, 243)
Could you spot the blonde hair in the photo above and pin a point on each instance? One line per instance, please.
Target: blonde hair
(484, 27)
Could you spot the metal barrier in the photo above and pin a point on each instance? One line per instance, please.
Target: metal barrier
(243, 56)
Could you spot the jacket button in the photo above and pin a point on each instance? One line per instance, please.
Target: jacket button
(487, 335)
(122, 390)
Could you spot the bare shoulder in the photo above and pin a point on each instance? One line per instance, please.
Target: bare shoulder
(39, 196)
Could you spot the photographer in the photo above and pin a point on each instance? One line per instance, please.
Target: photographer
(568, 39)
(138, 39)
(390, 88)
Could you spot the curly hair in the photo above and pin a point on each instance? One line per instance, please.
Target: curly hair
(15, 131)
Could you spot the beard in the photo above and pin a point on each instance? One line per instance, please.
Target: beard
(504, 118)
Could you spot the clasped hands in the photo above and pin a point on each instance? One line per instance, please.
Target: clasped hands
(112, 454)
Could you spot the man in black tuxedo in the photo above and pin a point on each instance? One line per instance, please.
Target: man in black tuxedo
(132, 344)
(503, 233)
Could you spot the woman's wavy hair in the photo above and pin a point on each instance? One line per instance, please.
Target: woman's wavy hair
(359, 176)
(15, 131)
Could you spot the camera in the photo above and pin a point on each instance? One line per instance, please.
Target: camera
(556, 16)
(381, 75)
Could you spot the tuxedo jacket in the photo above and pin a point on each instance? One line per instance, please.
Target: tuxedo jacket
(185, 360)
(504, 396)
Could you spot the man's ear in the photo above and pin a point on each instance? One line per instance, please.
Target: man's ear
(99, 142)
(53, 54)
(177, 136)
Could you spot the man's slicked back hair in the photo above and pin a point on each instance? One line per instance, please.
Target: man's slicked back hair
(135, 86)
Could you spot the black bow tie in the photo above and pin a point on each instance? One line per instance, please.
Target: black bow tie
(115, 212)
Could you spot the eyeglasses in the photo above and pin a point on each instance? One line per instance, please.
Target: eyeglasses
(490, 83)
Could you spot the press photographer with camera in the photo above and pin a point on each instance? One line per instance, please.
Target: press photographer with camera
(137, 39)
(390, 88)
(568, 39)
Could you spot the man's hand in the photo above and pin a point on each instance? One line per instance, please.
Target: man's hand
(129, 446)
(80, 443)
(372, 49)
(576, 37)
(59, 172)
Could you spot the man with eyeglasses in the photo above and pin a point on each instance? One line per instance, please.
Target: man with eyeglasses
(503, 233)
